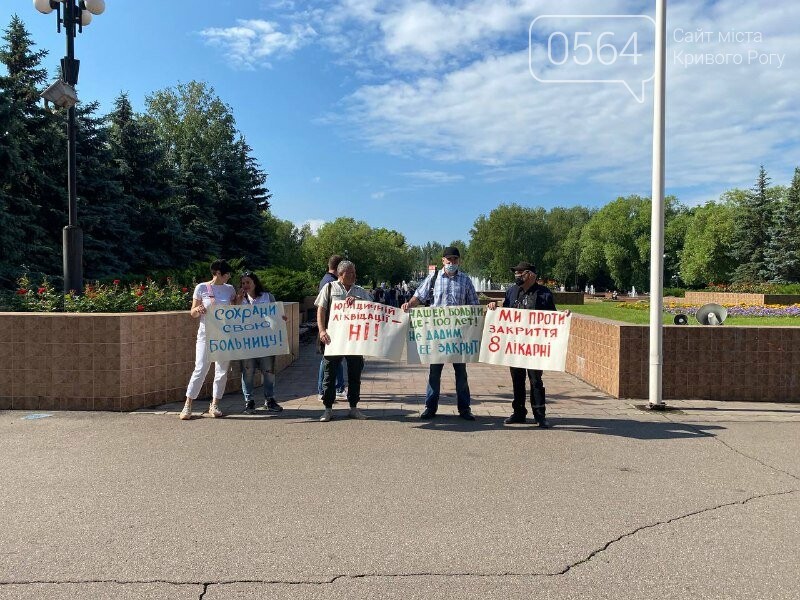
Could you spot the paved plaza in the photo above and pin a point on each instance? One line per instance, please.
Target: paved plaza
(612, 502)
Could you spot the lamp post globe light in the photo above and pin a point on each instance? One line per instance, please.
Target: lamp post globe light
(73, 15)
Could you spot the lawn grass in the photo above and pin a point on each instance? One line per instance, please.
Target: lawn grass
(611, 310)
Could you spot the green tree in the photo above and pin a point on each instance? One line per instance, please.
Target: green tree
(783, 248)
(144, 177)
(509, 234)
(677, 221)
(752, 231)
(219, 188)
(427, 254)
(615, 243)
(707, 253)
(379, 254)
(391, 259)
(109, 242)
(242, 200)
(31, 151)
(285, 244)
(560, 262)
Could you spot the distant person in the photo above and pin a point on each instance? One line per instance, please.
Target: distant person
(333, 262)
(527, 294)
(215, 291)
(253, 292)
(451, 288)
(391, 296)
(343, 289)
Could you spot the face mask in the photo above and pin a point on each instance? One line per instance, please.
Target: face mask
(451, 269)
(519, 280)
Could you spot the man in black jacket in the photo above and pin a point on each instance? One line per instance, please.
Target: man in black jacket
(527, 294)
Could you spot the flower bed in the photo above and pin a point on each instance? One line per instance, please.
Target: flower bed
(149, 296)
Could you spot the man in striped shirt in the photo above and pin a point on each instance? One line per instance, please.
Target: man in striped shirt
(451, 288)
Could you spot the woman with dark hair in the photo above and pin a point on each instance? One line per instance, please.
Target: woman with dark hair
(252, 292)
(215, 291)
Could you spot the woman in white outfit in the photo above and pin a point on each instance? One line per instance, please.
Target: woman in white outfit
(216, 291)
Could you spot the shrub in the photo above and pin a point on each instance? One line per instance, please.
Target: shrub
(675, 292)
(288, 285)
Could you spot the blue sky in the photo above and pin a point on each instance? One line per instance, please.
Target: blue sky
(420, 116)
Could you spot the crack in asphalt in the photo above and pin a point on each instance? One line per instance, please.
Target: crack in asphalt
(735, 450)
(206, 585)
(672, 520)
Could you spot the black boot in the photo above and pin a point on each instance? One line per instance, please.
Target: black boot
(538, 406)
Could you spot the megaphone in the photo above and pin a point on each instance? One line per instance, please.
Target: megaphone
(712, 314)
(681, 320)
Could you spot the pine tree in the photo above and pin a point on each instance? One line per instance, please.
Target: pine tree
(752, 232)
(105, 214)
(31, 189)
(783, 249)
(219, 193)
(144, 177)
(241, 202)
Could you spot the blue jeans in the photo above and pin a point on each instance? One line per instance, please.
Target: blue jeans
(339, 377)
(265, 364)
(434, 383)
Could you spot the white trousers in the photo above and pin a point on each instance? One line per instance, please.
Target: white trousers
(201, 365)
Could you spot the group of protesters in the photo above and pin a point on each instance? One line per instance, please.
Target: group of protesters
(392, 295)
(448, 287)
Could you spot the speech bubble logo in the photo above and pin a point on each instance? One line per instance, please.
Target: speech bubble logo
(593, 49)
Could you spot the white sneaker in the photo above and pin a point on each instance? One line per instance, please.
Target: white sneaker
(326, 416)
(357, 414)
(342, 395)
(186, 413)
(320, 398)
(214, 411)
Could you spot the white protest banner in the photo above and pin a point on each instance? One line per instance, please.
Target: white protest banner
(445, 334)
(528, 339)
(367, 329)
(246, 331)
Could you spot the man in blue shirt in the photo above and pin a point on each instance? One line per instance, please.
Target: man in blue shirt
(451, 288)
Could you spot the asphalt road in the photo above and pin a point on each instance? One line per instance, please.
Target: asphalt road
(143, 506)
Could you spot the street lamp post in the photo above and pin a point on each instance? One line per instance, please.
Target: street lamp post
(76, 15)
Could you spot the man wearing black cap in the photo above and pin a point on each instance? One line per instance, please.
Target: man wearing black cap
(451, 288)
(527, 294)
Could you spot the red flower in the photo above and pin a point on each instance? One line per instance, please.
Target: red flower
(22, 292)
(184, 290)
(41, 290)
(139, 308)
(116, 282)
(139, 292)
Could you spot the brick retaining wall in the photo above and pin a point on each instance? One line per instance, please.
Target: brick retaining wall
(95, 361)
(703, 362)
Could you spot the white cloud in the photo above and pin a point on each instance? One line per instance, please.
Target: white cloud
(314, 224)
(377, 195)
(439, 177)
(722, 120)
(253, 41)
